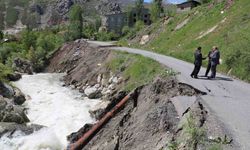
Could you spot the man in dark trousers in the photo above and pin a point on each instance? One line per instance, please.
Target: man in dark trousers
(215, 60)
(209, 61)
(197, 63)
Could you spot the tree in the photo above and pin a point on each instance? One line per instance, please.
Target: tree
(76, 22)
(156, 10)
(139, 8)
(28, 39)
(1, 35)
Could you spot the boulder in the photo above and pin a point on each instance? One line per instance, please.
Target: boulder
(19, 97)
(22, 66)
(12, 113)
(144, 39)
(93, 92)
(73, 137)
(3, 103)
(99, 109)
(14, 77)
(10, 128)
(6, 90)
(63, 6)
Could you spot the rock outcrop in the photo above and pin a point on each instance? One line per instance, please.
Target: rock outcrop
(6, 90)
(22, 66)
(10, 128)
(11, 113)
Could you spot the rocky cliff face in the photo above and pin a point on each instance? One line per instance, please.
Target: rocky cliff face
(46, 13)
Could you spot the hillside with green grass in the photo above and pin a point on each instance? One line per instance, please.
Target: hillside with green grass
(207, 25)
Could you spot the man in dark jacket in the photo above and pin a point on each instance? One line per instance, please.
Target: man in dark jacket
(197, 63)
(209, 61)
(215, 60)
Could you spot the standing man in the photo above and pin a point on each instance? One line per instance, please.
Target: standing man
(215, 60)
(197, 63)
(209, 61)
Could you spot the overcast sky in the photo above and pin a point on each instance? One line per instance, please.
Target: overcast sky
(172, 1)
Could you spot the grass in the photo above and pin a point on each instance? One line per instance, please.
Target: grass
(138, 70)
(230, 36)
(195, 133)
(190, 136)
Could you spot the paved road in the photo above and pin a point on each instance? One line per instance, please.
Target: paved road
(227, 98)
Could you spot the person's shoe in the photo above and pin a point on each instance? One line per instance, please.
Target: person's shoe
(210, 77)
(195, 77)
(192, 76)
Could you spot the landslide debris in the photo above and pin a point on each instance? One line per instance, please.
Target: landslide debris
(148, 121)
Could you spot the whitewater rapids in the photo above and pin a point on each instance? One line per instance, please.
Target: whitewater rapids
(61, 109)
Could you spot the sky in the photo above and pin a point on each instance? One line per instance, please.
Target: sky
(171, 1)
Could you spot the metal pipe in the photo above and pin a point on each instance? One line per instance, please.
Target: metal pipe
(83, 141)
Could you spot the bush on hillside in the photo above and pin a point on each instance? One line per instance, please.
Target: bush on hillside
(1, 35)
(11, 16)
(76, 23)
(28, 39)
(106, 36)
(139, 25)
(238, 59)
(89, 31)
(4, 71)
(125, 30)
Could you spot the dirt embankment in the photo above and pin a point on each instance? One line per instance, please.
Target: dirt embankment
(81, 62)
(149, 120)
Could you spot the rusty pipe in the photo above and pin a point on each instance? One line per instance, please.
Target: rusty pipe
(83, 141)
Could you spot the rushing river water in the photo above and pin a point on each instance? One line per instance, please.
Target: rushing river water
(59, 108)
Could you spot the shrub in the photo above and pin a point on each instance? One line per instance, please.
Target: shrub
(76, 23)
(139, 25)
(106, 36)
(11, 16)
(89, 31)
(4, 71)
(28, 39)
(1, 35)
(125, 30)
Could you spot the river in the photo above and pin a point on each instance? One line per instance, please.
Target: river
(61, 109)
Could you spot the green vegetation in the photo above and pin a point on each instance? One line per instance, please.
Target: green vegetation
(4, 71)
(155, 10)
(136, 69)
(139, 5)
(190, 136)
(1, 35)
(231, 34)
(196, 134)
(21, 3)
(76, 23)
(11, 16)
(35, 46)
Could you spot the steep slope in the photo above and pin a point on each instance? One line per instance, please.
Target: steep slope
(40, 13)
(223, 24)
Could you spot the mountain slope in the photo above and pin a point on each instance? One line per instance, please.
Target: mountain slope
(223, 25)
(40, 13)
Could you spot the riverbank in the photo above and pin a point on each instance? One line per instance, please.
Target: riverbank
(150, 120)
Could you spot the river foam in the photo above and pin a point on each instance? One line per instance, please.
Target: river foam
(59, 108)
